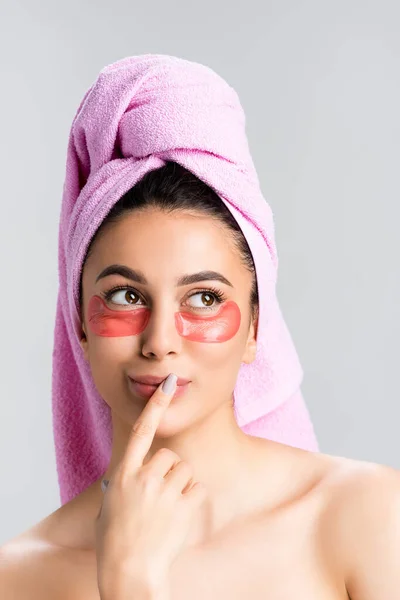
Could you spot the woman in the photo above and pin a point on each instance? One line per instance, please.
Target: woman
(222, 512)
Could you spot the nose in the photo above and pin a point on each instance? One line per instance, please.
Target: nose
(161, 338)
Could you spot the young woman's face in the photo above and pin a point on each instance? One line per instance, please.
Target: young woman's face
(162, 326)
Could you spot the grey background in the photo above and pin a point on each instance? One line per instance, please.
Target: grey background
(320, 85)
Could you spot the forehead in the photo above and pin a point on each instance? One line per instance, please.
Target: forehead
(169, 244)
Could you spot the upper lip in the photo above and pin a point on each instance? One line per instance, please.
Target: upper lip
(153, 380)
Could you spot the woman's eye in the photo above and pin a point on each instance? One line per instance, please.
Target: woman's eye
(128, 295)
(207, 299)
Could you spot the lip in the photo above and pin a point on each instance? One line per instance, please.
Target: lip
(154, 380)
(146, 391)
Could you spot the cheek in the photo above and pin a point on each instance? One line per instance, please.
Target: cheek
(106, 355)
(221, 327)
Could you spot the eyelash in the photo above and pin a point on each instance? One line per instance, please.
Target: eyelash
(218, 294)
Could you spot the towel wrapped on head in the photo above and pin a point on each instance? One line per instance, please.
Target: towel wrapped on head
(141, 113)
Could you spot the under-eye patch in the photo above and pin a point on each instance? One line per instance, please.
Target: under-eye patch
(219, 327)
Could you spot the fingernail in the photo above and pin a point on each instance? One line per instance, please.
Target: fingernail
(169, 384)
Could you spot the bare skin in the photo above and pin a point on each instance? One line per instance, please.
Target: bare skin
(278, 522)
(305, 544)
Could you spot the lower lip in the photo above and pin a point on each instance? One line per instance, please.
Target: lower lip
(145, 390)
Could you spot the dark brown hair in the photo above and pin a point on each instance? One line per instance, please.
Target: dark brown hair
(174, 188)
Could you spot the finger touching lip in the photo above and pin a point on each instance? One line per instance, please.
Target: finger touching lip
(145, 390)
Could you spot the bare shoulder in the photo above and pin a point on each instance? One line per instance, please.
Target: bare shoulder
(362, 520)
(361, 490)
(54, 558)
(33, 568)
(25, 564)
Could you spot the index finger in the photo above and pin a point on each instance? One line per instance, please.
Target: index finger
(145, 427)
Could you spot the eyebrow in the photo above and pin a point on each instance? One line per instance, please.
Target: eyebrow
(138, 277)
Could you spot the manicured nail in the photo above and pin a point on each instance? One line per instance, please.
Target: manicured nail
(169, 384)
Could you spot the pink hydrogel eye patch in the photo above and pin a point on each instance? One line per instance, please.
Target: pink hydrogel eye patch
(219, 327)
(115, 323)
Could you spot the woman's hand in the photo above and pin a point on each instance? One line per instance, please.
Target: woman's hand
(146, 512)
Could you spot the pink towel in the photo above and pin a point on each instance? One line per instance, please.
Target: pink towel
(139, 113)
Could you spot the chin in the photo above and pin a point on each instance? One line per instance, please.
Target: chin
(170, 427)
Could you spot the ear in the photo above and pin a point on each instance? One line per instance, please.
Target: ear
(84, 344)
(251, 344)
